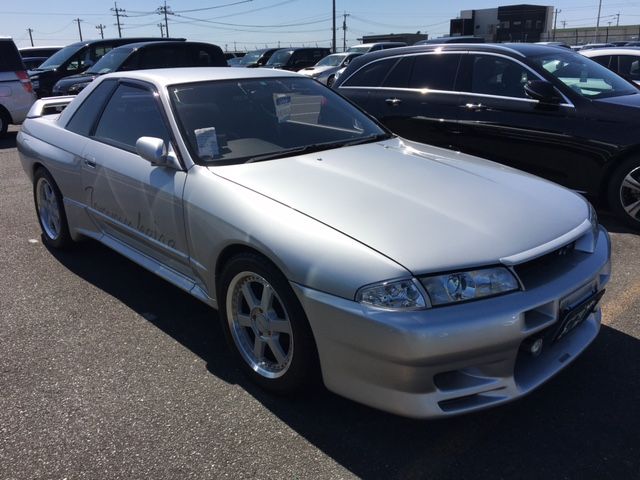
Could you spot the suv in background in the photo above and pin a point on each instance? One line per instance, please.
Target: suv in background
(16, 91)
(295, 59)
(142, 56)
(256, 58)
(545, 110)
(625, 61)
(76, 58)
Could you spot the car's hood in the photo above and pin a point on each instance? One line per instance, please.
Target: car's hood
(310, 71)
(627, 106)
(428, 209)
(79, 78)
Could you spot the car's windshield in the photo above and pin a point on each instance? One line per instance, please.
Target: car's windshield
(331, 61)
(280, 57)
(58, 58)
(251, 57)
(359, 48)
(235, 121)
(583, 75)
(110, 62)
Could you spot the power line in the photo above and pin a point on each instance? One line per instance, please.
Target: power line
(212, 8)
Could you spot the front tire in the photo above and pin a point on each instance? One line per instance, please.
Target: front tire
(50, 211)
(624, 192)
(265, 325)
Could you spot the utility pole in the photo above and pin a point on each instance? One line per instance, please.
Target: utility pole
(344, 31)
(30, 30)
(598, 21)
(617, 15)
(161, 25)
(333, 44)
(118, 13)
(101, 28)
(79, 29)
(165, 10)
(564, 24)
(555, 21)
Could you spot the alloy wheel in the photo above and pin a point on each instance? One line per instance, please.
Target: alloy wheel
(48, 209)
(259, 325)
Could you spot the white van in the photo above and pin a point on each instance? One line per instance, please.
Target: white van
(16, 91)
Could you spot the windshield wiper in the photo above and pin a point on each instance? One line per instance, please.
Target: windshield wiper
(317, 147)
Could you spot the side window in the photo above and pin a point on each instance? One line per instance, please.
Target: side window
(371, 75)
(498, 76)
(435, 71)
(399, 75)
(131, 113)
(604, 60)
(85, 116)
(629, 66)
(78, 62)
(98, 52)
(131, 63)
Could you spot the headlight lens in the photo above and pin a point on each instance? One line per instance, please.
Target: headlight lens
(471, 285)
(393, 295)
(77, 87)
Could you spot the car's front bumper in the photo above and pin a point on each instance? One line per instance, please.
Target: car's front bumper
(455, 359)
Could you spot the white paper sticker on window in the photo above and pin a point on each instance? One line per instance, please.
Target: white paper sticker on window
(282, 102)
(207, 142)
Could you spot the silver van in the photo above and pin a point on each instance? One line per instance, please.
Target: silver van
(16, 91)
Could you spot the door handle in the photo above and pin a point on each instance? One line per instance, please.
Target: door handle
(474, 107)
(90, 162)
(394, 102)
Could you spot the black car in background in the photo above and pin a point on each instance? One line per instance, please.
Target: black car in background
(76, 58)
(256, 58)
(545, 110)
(31, 52)
(295, 59)
(142, 56)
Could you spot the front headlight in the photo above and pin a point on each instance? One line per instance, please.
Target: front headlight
(471, 285)
(76, 88)
(393, 295)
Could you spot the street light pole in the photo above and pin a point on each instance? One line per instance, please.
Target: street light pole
(598, 21)
(333, 44)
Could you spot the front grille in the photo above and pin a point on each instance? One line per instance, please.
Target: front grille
(558, 261)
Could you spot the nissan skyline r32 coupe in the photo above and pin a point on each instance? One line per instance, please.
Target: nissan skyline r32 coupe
(414, 279)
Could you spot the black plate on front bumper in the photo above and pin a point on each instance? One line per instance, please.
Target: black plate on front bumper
(575, 316)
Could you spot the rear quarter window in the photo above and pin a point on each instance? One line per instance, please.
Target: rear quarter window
(86, 115)
(10, 60)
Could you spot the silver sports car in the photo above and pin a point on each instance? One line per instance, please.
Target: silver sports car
(410, 278)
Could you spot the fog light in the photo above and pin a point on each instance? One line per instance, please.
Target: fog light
(533, 346)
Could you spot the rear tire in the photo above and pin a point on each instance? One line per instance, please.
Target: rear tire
(624, 192)
(4, 123)
(50, 211)
(266, 326)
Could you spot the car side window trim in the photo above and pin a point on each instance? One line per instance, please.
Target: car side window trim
(566, 103)
(141, 85)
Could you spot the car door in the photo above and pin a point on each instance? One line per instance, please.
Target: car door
(417, 100)
(501, 123)
(133, 202)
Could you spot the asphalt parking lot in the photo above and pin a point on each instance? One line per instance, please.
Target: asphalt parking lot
(107, 371)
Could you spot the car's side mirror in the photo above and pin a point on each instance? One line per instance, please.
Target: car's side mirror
(155, 151)
(542, 90)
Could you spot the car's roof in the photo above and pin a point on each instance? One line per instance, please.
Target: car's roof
(596, 52)
(163, 77)
(139, 45)
(39, 47)
(513, 49)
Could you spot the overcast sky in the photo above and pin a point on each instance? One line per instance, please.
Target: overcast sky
(248, 24)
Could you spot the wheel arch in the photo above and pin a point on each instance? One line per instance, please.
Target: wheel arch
(611, 167)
